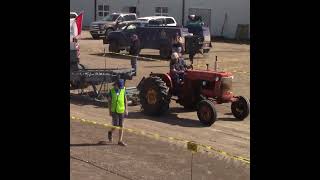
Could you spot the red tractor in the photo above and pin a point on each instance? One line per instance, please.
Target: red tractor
(199, 90)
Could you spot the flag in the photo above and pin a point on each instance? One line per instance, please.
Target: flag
(78, 22)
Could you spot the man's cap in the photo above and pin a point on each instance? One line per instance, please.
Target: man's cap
(120, 83)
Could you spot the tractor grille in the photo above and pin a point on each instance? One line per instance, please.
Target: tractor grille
(226, 84)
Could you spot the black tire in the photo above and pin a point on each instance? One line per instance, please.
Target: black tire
(241, 108)
(108, 31)
(207, 113)
(164, 53)
(114, 47)
(154, 96)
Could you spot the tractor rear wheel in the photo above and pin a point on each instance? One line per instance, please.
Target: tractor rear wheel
(240, 108)
(154, 96)
(207, 113)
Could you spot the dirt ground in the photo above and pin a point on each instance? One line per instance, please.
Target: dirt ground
(226, 133)
(143, 158)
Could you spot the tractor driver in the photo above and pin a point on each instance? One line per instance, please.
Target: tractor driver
(178, 67)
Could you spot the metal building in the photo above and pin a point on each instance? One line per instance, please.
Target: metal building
(227, 18)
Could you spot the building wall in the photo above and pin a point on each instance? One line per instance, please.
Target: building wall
(238, 11)
(117, 5)
(87, 6)
(147, 8)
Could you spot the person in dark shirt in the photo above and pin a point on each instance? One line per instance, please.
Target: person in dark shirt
(178, 68)
(177, 45)
(134, 51)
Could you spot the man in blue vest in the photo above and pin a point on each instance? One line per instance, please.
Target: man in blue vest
(118, 107)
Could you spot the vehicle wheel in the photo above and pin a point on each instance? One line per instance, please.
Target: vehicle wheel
(108, 31)
(154, 96)
(114, 47)
(206, 112)
(240, 108)
(164, 53)
(95, 36)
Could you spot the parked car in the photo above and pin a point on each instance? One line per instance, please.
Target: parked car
(110, 23)
(159, 20)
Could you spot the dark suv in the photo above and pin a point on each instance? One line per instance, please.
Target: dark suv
(160, 38)
(110, 23)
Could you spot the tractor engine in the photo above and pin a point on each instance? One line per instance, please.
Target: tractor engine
(226, 88)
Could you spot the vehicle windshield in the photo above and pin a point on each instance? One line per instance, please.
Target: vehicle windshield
(111, 17)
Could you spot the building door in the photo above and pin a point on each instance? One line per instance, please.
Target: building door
(204, 13)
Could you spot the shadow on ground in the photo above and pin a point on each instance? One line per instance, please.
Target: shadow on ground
(90, 144)
(83, 100)
(171, 117)
(228, 119)
(231, 41)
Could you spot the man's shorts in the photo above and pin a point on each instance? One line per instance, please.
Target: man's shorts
(117, 119)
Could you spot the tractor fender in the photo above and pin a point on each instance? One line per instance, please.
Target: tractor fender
(165, 77)
(140, 83)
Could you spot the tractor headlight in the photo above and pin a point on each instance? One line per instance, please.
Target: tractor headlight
(217, 78)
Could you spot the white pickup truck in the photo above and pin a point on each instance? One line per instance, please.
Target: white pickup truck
(159, 20)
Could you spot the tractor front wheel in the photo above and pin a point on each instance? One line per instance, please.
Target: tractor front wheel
(154, 96)
(240, 108)
(207, 114)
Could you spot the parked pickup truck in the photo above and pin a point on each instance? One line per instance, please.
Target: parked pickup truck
(110, 23)
(160, 38)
